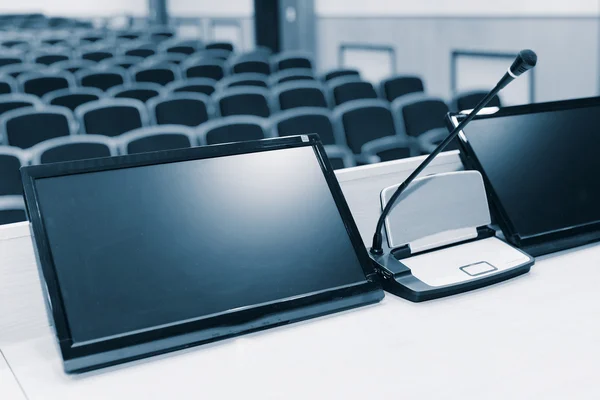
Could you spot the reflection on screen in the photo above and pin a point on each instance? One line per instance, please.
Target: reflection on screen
(140, 247)
(543, 167)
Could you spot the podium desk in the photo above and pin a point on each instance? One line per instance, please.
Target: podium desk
(533, 337)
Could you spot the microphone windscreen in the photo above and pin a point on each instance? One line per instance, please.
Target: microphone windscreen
(526, 59)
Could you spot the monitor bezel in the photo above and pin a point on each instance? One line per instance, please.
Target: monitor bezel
(470, 160)
(226, 324)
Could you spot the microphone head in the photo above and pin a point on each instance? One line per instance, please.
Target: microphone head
(526, 59)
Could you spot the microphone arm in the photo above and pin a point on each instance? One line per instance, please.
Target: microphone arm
(524, 61)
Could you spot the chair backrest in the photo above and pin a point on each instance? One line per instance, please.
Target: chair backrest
(49, 58)
(157, 138)
(301, 121)
(15, 70)
(142, 91)
(243, 101)
(10, 59)
(237, 128)
(220, 46)
(299, 94)
(160, 59)
(159, 34)
(186, 47)
(103, 79)
(72, 98)
(141, 50)
(213, 69)
(124, 62)
(469, 100)
(73, 66)
(71, 148)
(291, 60)
(112, 117)
(14, 101)
(193, 85)
(340, 156)
(417, 113)
(362, 121)
(189, 109)
(40, 83)
(288, 75)
(11, 160)
(8, 84)
(27, 127)
(162, 74)
(213, 54)
(337, 73)
(246, 79)
(12, 209)
(249, 63)
(97, 55)
(348, 89)
(398, 86)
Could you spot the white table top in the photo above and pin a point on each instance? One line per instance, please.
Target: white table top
(9, 387)
(533, 337)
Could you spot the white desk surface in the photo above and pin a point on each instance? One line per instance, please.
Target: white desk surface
(9, 387)
(533, 337)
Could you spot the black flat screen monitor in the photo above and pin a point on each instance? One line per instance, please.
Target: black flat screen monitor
(542, 171)
(148, 253)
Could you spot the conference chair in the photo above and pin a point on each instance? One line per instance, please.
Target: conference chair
(344, 90)
(71, 148)
(398, 86)
(175, 45)
(213, 54)
(299, 94)
(189, 109)
(27, 127)
(11, 43)
(8, 84)
(15, 101)
(249, 63)
(40, 83)
(156, 74)
(340, 72)
(209, 68)
(365, 121)
(423, 117)
(142, 91)
(469, 100)
(220, 46)
(340, 157)
(73, 66)
(301, 121)
(159, 34)
(15, 70)
(160, 59)
(12, 209)
(11, 160)
(112, 117)
(10, 59)
(128, 35)
(97, 55)
(157, 138)
(289, 75)
(52, 40)
(50, 57)
(91, 37)
(291, 60)
(193, 85)
(245, 79)
(124, 62)
(236, 128)
(142, 50)
(103, 79)
(73, 97)
(243, 101)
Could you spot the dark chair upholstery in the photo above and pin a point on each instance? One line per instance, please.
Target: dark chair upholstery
(205, 69)
(77, 147)
(232, 129)
(72, 98)
(142, 91)
(157, 138)
(300, 94)
(363, 121)
(49, 59)
(243, 101)
(220, 46)
(7, 85)
(112, 117)
(290, 75)
(73, 66)
(27, 127)
(340, 157)
(8, 60)
(189, 109)
(352, 90)
(97, 56)
(40, 84)
(291, 60)
(337, 73)
(102, 80)
(159, 74)
(193, 85)
(246, 79)
(399, 86)
(422, 116)
(468, 101)
(11, 160)
(14, 101)
(303, 121)
(124, 62)
(254, 66)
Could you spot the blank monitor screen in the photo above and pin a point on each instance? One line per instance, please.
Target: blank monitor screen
(143, 247)
(542, 166)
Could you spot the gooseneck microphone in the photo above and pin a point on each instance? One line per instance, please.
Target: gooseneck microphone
(526, 59)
